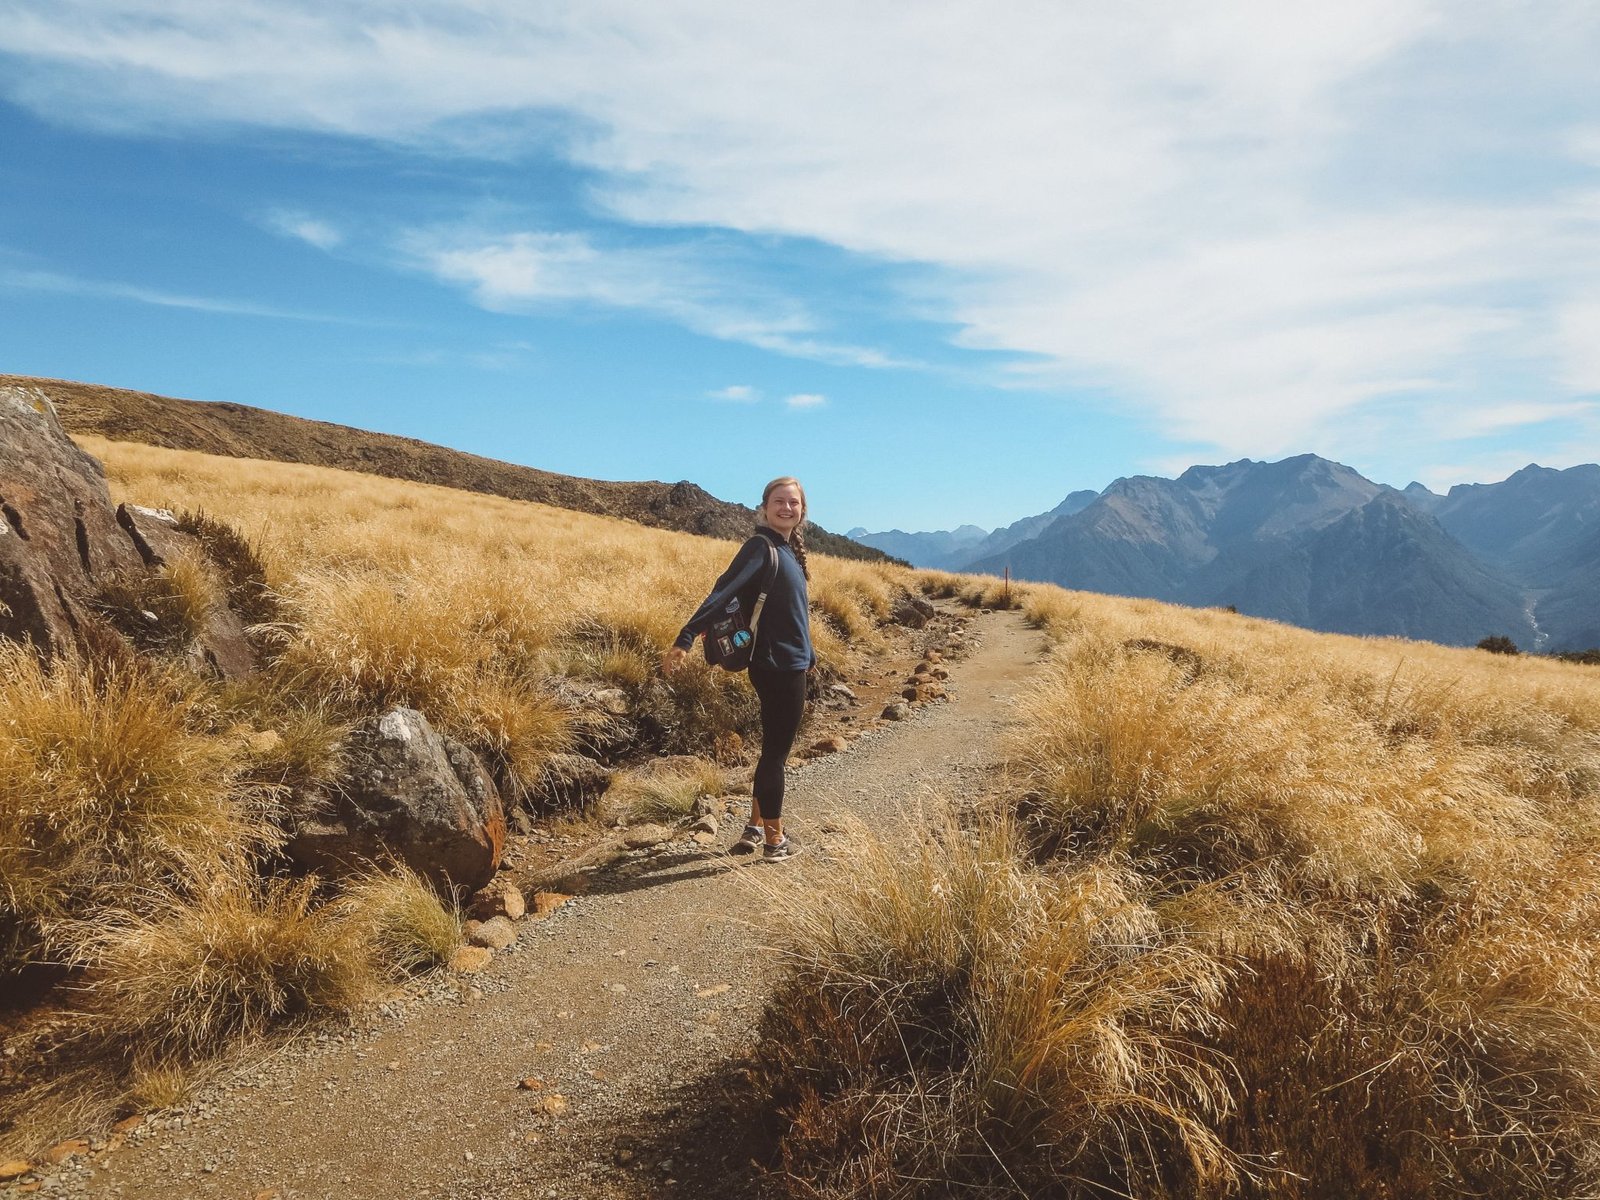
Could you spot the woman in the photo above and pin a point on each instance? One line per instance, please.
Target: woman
(783, 653)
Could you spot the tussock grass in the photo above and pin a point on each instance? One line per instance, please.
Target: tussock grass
(137, 799)
(401, 920)
(663, 794)
(162, 610)
(192, 978)
(465, 606)
(109, 790)
(1349, 946)
(955, 1019)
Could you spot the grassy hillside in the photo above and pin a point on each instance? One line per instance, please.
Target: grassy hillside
(139, 802)
(1249, 910)
(240, 431)
(1253, 911)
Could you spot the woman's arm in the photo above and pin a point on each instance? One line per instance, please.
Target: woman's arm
(744, 568)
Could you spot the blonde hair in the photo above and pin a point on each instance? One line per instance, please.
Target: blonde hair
(797, 541)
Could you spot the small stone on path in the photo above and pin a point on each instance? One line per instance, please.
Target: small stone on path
(469, 960)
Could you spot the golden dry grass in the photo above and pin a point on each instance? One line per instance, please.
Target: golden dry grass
(1348, 889)
(137, 799)
(110, 789)
(663, 795)
(467, 606)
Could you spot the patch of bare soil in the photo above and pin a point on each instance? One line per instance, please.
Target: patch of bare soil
(601, 1054)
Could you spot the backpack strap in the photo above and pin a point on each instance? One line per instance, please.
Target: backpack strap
(766, 586)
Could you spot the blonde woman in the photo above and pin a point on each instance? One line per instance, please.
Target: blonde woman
(782, 656)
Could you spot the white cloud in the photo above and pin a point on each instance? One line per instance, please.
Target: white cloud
(806, 400)
(1261, 224)
(680, 282)
(71, 285)
(1578, 333)
(738, 392)
(312, 230)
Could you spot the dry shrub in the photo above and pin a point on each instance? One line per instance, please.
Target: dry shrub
(162, 610)
(1210, 773)
(190, 979)
(954, 1020)
(108, 796)
(401, 920)
(663, 794)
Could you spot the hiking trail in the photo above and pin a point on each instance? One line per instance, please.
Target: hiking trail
(618, 1011)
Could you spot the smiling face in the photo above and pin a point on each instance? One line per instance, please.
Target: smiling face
(784, 507)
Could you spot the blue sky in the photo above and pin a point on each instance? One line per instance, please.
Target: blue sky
(945, 262)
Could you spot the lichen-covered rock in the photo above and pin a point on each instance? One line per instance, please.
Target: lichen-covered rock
(410, 794)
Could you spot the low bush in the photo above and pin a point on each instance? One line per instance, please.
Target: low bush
(193, 977)
(400, 919)
(110, 793)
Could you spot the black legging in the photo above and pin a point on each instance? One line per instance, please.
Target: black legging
(783, 700)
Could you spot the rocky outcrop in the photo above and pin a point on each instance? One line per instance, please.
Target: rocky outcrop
(412, 795)
(911, 611)
(62, 544)
(59, 538)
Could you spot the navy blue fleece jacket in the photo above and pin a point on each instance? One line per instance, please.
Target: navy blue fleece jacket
(783, 637)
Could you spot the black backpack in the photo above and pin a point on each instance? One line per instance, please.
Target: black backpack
(731, 638)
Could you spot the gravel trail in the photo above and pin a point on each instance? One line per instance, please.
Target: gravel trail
(577, 1063)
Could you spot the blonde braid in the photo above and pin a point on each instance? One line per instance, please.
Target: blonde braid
(797, 543)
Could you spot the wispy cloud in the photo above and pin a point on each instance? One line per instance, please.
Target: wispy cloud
(313, 231)
(49, 281)
(679, 281)
(806, 400)
(1258, 224)
(739, 393)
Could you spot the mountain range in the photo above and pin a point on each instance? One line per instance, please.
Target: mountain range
(1314, 543)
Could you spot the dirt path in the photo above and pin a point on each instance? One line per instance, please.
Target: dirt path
(624, 1007)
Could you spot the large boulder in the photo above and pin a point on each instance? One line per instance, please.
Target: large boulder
(411, 794)
(59, 537)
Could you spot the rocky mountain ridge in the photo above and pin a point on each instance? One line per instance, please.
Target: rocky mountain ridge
(1313, 542)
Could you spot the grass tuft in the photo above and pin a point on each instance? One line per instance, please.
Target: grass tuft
(191, 979)
(109, 794)
(402, 920)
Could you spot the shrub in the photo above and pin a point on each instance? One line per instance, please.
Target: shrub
(108, 796)
(191, 978)
(1498, 644)
(401, 919)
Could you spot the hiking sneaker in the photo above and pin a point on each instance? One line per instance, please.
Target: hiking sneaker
(779, 851)
(749, 841)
